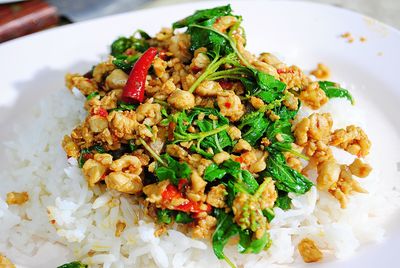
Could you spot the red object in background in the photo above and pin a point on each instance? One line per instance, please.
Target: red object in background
(18, 19)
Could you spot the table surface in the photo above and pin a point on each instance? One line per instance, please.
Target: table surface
(386, 11)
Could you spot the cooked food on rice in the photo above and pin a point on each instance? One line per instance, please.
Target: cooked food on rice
(201, 133)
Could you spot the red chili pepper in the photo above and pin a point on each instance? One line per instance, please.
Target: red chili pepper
(129, 51)
(284, 71)
(171, 129)
(182, 184)
(135, 86)
(226, 84)
(170, 193)
(190, 206)
(99, 111)
(193, 207)
(163, 55)
(196, 69)
(87, 156)
(102, 112)
(228, 105)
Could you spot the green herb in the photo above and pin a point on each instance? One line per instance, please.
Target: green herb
(200, 151)
(210, 71)
(92, 95)
(182, 217)
(203, 15)
(253, 126)
(239, 180)
(244, 180)
(173, 170)
(212, 132)
(125, 148)
(283, 201)
(164, 216)
(143, 34)
(203, 35)
(164, 112)
(252, 216)
(286, 178)
(223, 49)
(152, 152)
(218, 141)
(167, 216)
(270, 89)
(206, 36)
(249, 245)
(75, 264)
(333, 90)
(213, 172)
(283, 128)
(124, 106)
(256, 83)
(232, 166)
(284, 112)
(132, 145)
(125, 62)
(120, 45)
(269, 214)
(225, 230)
(88, 151)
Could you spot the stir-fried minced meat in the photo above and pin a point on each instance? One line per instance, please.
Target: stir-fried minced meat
(5, 262)
(309, 251)
(201, 131)
(17, 198)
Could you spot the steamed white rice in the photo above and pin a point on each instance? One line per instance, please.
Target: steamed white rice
(84, 220)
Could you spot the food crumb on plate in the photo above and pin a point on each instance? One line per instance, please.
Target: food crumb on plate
(348, 36)
(5, 262)
(309, 251)
(16, 198)
(321, 72)
(119, 228)
(363, 39)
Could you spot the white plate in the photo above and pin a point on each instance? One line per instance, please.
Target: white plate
(301, 33)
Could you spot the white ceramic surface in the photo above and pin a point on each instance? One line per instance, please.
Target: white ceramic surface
(300, 33)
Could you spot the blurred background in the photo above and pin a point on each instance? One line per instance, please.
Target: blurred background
(19, 18)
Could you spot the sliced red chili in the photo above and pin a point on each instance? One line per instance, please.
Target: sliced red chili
(129, 51)
(171, 129)
(185, 207)
(284, 71)
(87, 156)
(102, 112)
(196, 69)
(182, 184)
(193, 207)
(171, 192)
(135, 86)
(163, 55)
(239, 159)
(228, 105)
(226, 84)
